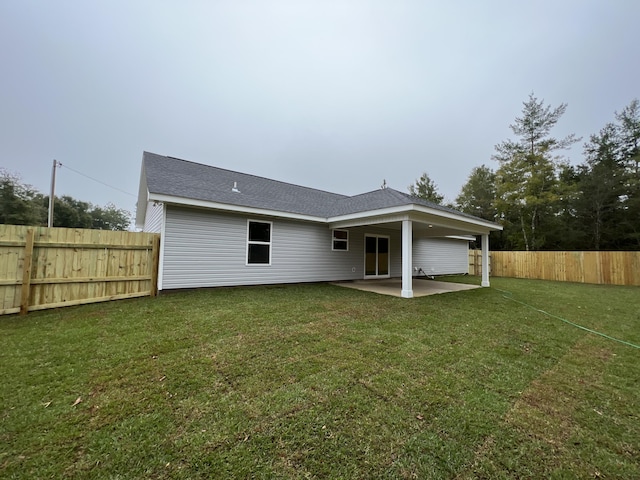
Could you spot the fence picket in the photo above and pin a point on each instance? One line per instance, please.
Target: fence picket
(609, 268)
(44, 267)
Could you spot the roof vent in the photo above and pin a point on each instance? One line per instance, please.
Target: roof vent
(235, 188)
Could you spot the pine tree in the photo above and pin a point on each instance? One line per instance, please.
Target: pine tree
(601, 188)
(426, 189)
(628, 129)
(527, 186)
(478, 195)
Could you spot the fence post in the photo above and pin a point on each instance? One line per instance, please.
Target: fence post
(26, 273)
(155, 255)
(474, 256)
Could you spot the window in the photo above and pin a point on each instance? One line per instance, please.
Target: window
(340, 240)
(258, 243)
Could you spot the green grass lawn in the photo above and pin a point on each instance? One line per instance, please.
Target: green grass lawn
(318, 381)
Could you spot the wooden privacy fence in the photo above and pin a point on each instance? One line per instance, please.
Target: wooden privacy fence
(610, 268)
(44, 267)
(475, 262)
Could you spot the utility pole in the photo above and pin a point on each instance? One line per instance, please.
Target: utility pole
(52, 194)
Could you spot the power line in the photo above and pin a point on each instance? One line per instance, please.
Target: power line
(96, 180)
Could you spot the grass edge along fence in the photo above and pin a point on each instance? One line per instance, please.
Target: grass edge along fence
(43, 267)
(599, 267)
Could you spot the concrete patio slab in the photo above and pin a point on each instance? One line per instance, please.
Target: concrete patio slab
(393, 286)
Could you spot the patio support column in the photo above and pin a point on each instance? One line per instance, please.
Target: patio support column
(407, 259)
(485, 260)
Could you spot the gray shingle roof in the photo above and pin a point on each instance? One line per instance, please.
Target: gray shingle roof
(182, 178)
(385, 198)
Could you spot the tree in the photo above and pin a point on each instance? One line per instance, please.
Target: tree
(69, 212)
(477, 196)
(426, 189)
(628, 129)
(534, 128)
(18, 202)
(21, 204)
(110, 218)
(526, 192)
(601, 184)
(527, 184)
(629, 134)
(564, 230)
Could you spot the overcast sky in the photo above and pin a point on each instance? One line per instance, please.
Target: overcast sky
(335, 95)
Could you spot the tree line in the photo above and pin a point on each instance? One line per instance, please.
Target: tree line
(21, 204)
(542, 201)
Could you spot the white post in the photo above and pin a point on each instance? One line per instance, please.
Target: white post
(485, 260)
(407, 259)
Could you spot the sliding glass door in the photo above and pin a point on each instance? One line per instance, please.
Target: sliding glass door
(376, 256)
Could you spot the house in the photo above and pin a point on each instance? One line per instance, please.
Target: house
(225, 228)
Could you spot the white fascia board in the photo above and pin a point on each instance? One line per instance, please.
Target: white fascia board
(140, 215)
(143, 199)
(189, 202)
(362, 218)
(372, 220)
(484, 224)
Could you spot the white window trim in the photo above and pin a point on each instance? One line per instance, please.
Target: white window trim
(253, 242)
(334, 239)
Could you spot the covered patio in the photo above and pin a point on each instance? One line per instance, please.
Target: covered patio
(414, 221)
(393, 286)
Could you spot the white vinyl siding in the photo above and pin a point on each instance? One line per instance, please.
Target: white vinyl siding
(153, 218)
(441, 256)
(207, 249)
